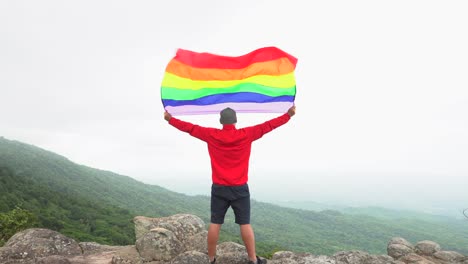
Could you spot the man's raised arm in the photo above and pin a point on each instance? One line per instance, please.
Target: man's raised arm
(194, 130)
(258, 131)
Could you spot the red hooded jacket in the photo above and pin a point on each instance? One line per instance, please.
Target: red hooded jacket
(229, 148)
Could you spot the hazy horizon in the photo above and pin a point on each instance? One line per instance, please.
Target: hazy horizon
(381, 93)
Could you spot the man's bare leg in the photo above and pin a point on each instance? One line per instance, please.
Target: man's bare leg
(213, 236)
(248, 237)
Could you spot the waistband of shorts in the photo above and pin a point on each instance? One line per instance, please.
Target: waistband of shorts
(220, 185)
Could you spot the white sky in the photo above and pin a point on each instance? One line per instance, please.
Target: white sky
(382, 92)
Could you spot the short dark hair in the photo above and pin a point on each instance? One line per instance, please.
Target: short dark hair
(228, 116)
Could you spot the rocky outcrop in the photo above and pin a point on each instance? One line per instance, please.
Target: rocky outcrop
(37, 245)
(182, 239)
(424, 252)
(342, 257)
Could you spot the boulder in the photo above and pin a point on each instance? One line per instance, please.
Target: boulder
(158, 244)
(231, 253)
(414, 258)
(127, 255)
(198, 242)
(182, 226)
(398, 247)
(37, 243)
(427, 248)
(361, 257)
(449, 256)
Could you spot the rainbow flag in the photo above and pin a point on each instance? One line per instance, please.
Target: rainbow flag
(204, 83)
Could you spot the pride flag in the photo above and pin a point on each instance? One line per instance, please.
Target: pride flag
(204, 83)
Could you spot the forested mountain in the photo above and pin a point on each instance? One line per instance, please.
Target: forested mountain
(94, 205)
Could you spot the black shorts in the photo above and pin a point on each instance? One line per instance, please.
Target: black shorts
(238, 197)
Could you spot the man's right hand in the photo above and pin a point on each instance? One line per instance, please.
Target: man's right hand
(167, 116)
(292, 111)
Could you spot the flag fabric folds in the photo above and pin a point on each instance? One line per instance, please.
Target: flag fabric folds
(261, 81)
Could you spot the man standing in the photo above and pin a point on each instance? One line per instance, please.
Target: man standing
(229, 150)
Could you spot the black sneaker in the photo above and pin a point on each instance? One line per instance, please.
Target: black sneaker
(259, 261)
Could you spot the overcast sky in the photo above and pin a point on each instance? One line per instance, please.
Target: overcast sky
(382, 92)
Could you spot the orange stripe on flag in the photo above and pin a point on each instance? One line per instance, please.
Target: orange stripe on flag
(276, 67)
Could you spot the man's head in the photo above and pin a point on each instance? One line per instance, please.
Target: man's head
(228, 116)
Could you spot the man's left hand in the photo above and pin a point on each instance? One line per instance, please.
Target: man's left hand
(167, 116)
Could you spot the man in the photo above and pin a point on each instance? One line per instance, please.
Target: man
(229, 150)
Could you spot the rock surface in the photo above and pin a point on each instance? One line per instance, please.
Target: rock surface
(424, 252)
(181, 239)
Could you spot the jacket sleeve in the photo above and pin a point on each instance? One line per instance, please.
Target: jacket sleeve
(194, 130)
(256, 132)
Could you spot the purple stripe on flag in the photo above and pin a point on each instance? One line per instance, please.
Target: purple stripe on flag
(275, 107)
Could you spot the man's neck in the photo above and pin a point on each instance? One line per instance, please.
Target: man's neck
(229, 127)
